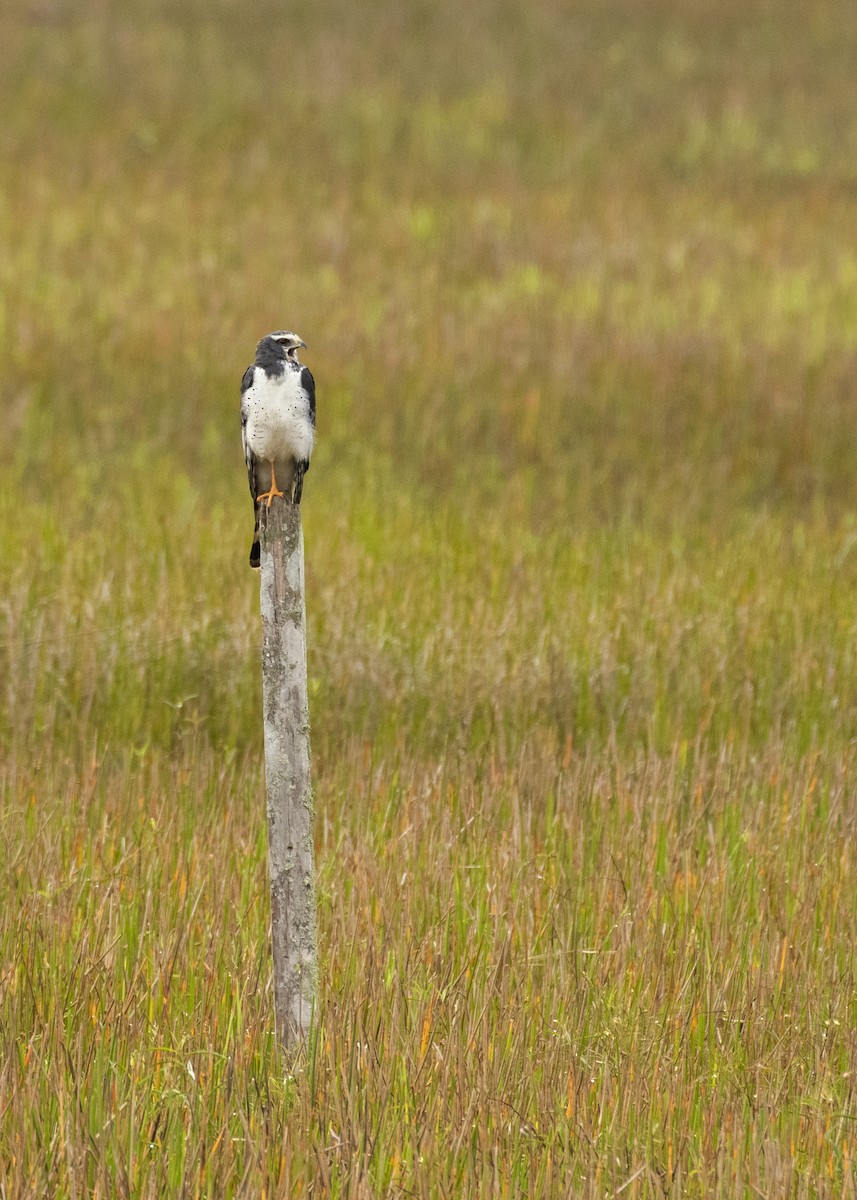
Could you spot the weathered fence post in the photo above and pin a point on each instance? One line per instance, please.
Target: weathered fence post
(287, 754)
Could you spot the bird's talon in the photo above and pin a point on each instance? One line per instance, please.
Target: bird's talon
(269, 496)
(272, 491)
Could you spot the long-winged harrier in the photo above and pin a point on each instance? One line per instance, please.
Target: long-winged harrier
(277, 423)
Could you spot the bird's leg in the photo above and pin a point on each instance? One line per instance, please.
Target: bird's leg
(272, 492)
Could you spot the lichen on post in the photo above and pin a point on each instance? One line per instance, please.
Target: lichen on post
(287, 771)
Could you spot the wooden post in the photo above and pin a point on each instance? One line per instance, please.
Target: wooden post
(287, 754)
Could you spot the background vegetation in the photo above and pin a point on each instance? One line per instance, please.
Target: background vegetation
(579, 283)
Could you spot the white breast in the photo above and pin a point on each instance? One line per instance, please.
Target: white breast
(278, 426)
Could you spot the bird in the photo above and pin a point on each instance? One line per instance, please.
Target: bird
(277, 424)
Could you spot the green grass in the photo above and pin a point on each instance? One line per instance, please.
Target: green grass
(579, 284)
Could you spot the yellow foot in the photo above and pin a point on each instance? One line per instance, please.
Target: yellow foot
(275, 491)
(269, 496)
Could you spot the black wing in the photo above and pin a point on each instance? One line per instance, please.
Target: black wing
(249, 456)
(250, 460)
(308, 385)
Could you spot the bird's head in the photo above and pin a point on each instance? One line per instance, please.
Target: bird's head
(289, 343)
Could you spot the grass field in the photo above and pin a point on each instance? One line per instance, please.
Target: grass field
(579, 283)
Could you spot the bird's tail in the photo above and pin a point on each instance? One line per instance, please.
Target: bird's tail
(255, 552)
